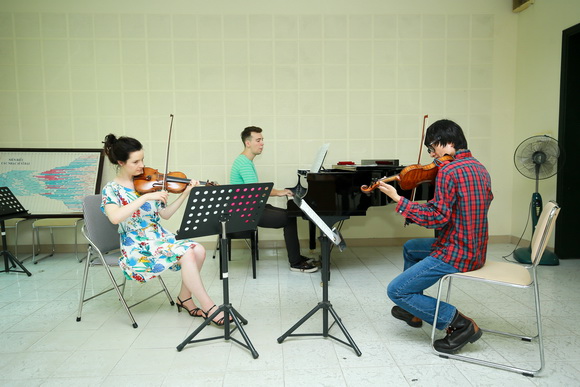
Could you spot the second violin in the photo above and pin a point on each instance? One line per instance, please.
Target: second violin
(411, 176)
(151, 180)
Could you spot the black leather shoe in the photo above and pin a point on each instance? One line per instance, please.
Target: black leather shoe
(462, 330)
(407, 317)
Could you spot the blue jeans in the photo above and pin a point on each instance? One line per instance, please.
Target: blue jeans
(420, 272)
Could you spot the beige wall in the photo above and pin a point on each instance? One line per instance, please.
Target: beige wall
(539, 51)
(359, 75)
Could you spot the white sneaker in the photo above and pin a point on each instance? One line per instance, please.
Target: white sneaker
(304, 267)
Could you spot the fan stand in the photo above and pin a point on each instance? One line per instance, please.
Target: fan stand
(523, 254)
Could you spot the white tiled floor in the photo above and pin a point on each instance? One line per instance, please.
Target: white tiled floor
(41, 343)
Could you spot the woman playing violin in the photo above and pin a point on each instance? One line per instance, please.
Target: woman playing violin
(459, 211)
(147, 248)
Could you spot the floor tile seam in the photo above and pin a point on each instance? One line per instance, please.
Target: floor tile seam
(75, 352)
(66, 359)
(398, 366)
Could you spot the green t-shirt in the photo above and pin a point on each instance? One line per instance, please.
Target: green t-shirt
(243, 171)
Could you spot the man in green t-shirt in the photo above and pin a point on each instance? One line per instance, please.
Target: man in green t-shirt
(244, 172)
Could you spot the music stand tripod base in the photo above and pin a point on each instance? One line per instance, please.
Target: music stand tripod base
(325, 304)
(228, 311)
(221, 210)
(10, 208)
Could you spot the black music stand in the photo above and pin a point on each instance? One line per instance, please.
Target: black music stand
(10, 208)
(326, 236)
(224, 209)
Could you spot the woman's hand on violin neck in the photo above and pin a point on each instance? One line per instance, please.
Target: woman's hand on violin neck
(389, 190)
(192, 183)
(161, 196)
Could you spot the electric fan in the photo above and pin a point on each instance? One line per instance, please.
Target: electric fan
(537, 158)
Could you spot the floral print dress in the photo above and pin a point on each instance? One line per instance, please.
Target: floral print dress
(147, 248)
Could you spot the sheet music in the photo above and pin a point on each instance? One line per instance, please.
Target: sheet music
(299, 190)
(319, 158)
(333, 234)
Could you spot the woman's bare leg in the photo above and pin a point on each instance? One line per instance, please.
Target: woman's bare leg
(191, 282)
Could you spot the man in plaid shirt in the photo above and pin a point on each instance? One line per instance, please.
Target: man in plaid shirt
(459, 211)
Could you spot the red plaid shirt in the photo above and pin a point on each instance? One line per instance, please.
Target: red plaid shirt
(459, 208)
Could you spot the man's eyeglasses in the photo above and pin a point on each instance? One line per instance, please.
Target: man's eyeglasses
(430, 148)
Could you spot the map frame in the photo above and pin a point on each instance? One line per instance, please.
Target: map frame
(94, 169)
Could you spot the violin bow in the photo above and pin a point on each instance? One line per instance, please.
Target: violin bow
(425, 117)
(167, 154)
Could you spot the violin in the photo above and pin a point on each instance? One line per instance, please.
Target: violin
(152, 181)
(411, 176)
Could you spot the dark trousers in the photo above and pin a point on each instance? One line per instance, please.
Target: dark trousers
(275, 217)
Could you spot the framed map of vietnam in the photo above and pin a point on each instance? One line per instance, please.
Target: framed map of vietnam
(51, 182)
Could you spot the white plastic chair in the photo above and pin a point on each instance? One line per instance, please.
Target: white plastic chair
(14, 223)
(104, 243)
(51, 224)
(512, 275)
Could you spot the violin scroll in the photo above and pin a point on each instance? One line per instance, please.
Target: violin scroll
(375, 184)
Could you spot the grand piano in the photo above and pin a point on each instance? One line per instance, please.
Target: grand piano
(335, 194)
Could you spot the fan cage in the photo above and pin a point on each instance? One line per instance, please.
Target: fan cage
(537, 157)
